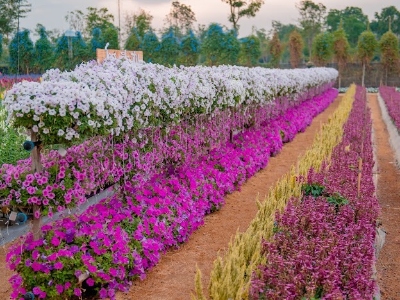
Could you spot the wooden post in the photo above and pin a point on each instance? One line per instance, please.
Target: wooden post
(36, 167)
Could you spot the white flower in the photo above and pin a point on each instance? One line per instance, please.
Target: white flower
(35, 128)
(60, 132)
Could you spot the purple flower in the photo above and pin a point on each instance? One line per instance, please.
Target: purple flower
(59, 288)
(77, 292)
(58, 265)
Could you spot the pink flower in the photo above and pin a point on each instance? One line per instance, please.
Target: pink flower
(77, 292)
(59, 288)
(58, 265)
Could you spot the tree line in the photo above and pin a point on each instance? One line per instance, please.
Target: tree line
(319, 37)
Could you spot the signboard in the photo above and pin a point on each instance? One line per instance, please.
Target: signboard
(102, 54)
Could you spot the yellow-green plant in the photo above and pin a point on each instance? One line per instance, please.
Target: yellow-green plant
(231, 274)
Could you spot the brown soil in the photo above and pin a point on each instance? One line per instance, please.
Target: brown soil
(173, 277)
(5, 274)
(388, 193)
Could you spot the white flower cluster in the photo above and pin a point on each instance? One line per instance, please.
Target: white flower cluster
(119, 95)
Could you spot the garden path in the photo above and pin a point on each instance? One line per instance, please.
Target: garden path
(173, 277)
(388, 193)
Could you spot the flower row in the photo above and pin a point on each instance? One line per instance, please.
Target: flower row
(102, 161)
(323, 243)
(392, 100)
(120, 96)
(118, 239)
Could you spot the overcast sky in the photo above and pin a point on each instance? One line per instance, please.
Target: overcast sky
(51, 13)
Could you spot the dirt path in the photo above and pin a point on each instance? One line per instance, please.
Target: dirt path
(389, 198)
(173, 277)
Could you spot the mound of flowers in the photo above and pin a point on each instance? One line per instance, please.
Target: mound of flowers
(120, 96)
(117, 240)
(323, 243)
(392, 101)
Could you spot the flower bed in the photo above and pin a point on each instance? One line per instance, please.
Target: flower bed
(231, 274)
(102, 161)
(118, 239)
(392, 100)
(323, 243)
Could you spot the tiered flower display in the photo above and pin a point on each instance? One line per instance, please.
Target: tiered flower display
(168, 184)
(323, 243)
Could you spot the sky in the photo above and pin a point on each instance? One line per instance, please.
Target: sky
(51, 13)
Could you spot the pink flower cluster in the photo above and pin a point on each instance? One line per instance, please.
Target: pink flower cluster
(118, 239)
(392, 101)
(324, 249)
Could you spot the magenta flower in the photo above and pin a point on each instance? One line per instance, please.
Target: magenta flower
(58, 265)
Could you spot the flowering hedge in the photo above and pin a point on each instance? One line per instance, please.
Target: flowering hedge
(118, 239)
(102, 161)
(392, 100)
(323, 246)
(120, 96)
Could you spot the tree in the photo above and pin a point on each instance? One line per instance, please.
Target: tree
(389, 16)
(181, 17)
(341, 50)
(141, 21)
(264, 43)
(1, 45)
(189, 50)
(366, 47)
(296, 45)
(150, 46)
(219, 47)
(389, 48)
(276, 50)
(43, 51)
(96, 42)
(354, 22)
(10, 13)
(76, 20)
(169, 48)
(322, 50)
(311, 20)
(239, 9)
(133, 41)
(21, 52)
(80, 52)
(250, 51)
(86, 22)
(110, 36)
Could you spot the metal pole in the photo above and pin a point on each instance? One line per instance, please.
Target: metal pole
(119, 23)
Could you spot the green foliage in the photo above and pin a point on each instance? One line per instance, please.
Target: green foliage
(134, 40)
(10, 11)
(239, 9)
(296, 45)
(80, 52)
(169, 48)
(389, 48)
(1, 45)
(276, 50)
(150, 46)
(311, 20)
(98, 17)
(43, 52)
(220, 47)
(313, 189)
(337, 200)
(21, 52)
(366, 47)
(140, 21)
(96, 42)
(110, 35)
(181, 17)
(322, 50)
(190, 50)
(10, 141)
(250, 51)
(389, 16)
(354, 22)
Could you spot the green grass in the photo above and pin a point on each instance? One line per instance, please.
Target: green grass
(11, 140)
